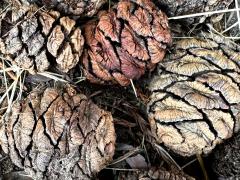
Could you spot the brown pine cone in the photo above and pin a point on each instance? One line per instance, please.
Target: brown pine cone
(125, 42)
(153, 173)
(58, 134)
(185, 7)
(73, 7)
(38, 39)
(195, 101)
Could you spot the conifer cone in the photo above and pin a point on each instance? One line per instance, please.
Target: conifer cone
(58, 134)
(195, 101)
(153, 174)
(73, 7)
(35, 39)
(125, 42)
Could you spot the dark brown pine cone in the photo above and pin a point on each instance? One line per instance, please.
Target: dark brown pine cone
(125, 42)
(58, 134)
(36, 39)
(195, 101)
(226, 159)
(185, 7)
(73, 7)
(153, 174)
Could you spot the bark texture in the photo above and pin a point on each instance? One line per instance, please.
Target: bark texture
(153, 174)
(73, 7)
(58, 134)
(35, 39)
(125, 42)
(195, 101)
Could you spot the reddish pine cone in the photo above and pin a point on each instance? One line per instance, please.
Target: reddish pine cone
(73, 7)
(125, 42)
(55, 134)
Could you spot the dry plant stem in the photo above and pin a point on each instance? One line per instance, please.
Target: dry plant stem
(204, 14)
(167, 157)
(238, 14)
(12, 76)
(200, 160)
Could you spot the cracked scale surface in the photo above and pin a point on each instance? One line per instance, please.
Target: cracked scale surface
(73, 7)
(195, 97)
(58, 134)
(125, 42)
(38, 39)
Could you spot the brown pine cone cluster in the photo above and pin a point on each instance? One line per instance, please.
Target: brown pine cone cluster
(185, 7)
(35, 39)
(72, 7)
(153, 174)
(195, 101)
(125, 42)
(58, 134)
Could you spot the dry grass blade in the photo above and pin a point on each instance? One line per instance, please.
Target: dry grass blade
(12, 90)
(134, 89)
(53, 76)
(200, 160)
(229, 28)
(238, 14)
(167, 157)
(120, 169)
(125, 156)
(203, 14)
(189, 163)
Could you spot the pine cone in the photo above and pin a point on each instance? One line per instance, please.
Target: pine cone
(153, 173)
(73, 7)
(58, 134)
(125, 42)
(195, 101)
(39, 39)
(185, 7)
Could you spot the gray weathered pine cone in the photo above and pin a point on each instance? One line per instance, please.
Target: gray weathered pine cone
(226, 159)
(195, 100)
(185, 7)
(35, 39)
(72, 7)
(153, 174)
(58, 134)
(125, 42)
